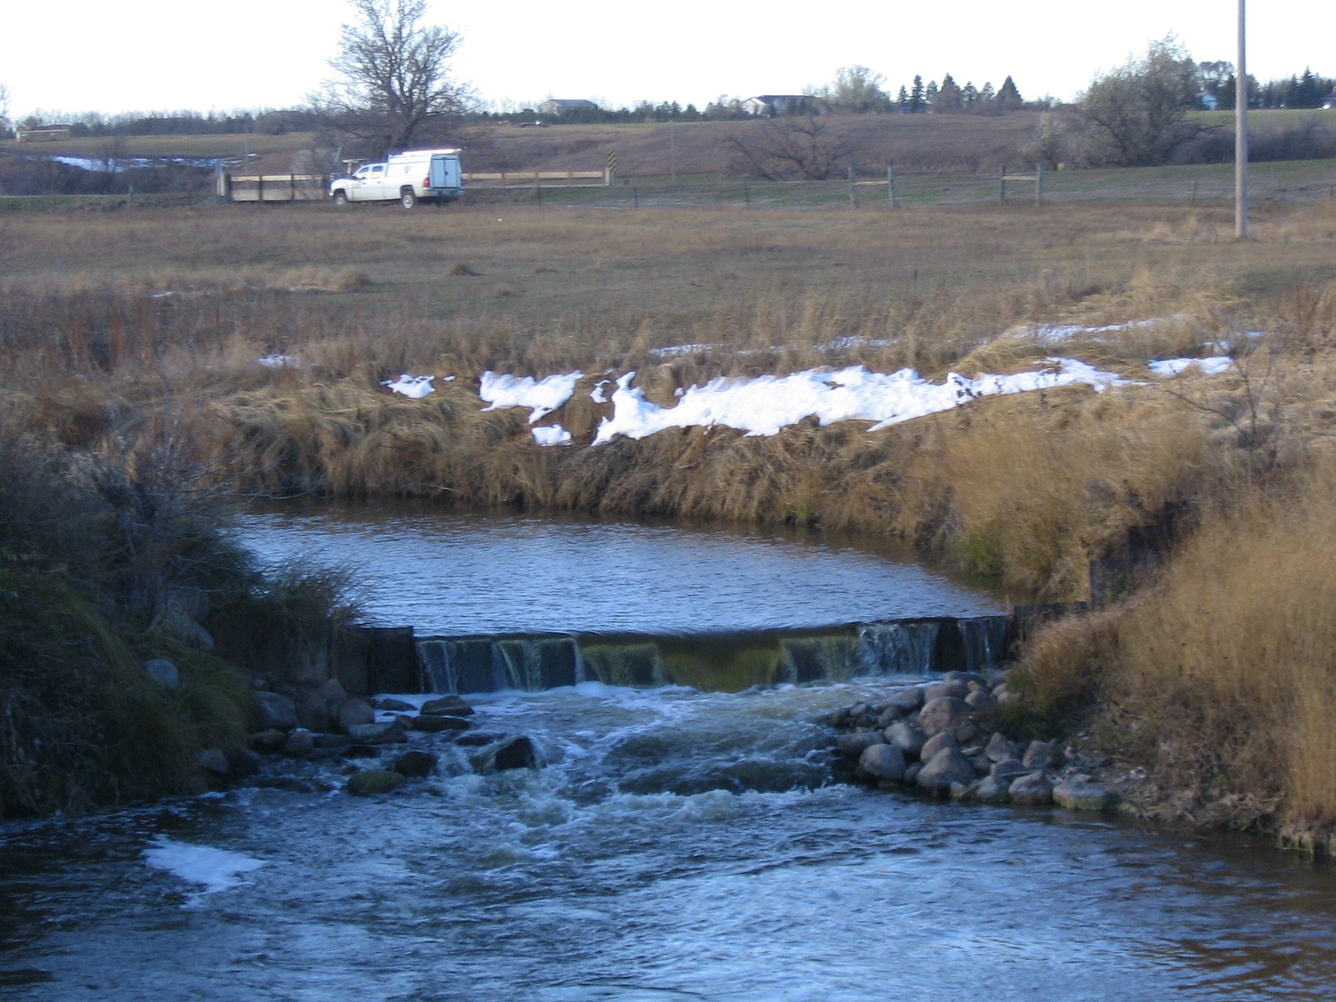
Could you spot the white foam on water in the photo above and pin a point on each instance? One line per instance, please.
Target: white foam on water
(216, 869)
(764, 405)
(543, 396)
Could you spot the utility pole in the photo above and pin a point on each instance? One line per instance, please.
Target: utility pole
(672, 150)
(1241, 134)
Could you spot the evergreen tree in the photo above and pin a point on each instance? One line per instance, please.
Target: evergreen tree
(903, 100)
(949, 98)
(970, 96)
(916, 96)
(930, 94)
(1009, 98)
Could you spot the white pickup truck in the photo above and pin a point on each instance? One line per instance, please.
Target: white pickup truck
(407, 178)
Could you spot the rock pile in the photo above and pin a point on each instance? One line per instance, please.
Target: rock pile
(942, 738)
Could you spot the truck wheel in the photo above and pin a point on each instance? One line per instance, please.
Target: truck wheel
(407, 199)
(340, 197)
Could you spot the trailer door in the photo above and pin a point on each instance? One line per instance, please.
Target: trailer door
(444, 171)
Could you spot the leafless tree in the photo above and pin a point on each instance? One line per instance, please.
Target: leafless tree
(806, 147)
(394, 83)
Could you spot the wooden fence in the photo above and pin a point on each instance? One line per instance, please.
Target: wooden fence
(531, 178)
(274, 187)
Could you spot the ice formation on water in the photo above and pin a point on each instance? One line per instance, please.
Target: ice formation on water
(544, 396)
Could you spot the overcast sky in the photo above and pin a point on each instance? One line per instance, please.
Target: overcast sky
(148, 55)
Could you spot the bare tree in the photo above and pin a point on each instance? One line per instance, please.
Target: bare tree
(4, 108)
(1137, 115)
(394, 83)
(807, 147)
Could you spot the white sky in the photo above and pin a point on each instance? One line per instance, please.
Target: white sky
(150, 55)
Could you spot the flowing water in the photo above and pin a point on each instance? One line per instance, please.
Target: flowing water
(677, 844)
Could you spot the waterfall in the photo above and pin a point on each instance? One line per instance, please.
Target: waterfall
(985, 641)
(904, 648)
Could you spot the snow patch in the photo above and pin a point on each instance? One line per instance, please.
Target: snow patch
(416, 387)
(1174, 366)
(551, 435)
(764, 405)
(543, 396)
(216, 869)
(277, 361)
(596, 394)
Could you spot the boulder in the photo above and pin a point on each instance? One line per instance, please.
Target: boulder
(360, 751)
(162, 673)
(963, 676)
(1043, 755)
(980, 701)
(907, 700)
(947, 713)
(883, 762)
(954, 688)
(1008, 769)
(911, 773)
(936, 743)
(889, 716)
(242, 762)
(354, 711)
(377, 734)
(395, 705)
(332, 741)
(907, 737)
(299, 744)
(1082, 795)
(851, 745)
(364, 784)
(275, 711)
(329, 691)
(415, 764)
(268, 741)
(962, 791)
(213, 761)
(1033, 789)
(946, 767)
(476, 739)
(450, 706)
(1000, 749)
(993, 790)
(434, 725)
(510, 753)
(981, 764)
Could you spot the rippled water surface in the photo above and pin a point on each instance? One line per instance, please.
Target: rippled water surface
(448, 572)
(678, 845)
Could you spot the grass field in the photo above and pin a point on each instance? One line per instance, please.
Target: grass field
(136, 334)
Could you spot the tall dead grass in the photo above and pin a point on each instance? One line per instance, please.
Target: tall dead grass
(1228, 669)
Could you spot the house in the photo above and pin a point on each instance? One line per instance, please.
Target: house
(771, 105)
(560, 106)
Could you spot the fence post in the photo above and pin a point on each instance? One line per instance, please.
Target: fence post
(1038, 184)
(1002, 191)
(853, 194)
(890, 183)
(538, 189)
(292, 187)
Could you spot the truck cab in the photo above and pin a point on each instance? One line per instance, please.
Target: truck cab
(407, 178)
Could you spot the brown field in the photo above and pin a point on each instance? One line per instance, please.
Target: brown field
(122, 330)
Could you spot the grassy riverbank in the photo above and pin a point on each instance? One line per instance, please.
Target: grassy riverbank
(119, 329)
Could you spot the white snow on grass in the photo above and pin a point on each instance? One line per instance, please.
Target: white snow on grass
(277, 361)
(552, 435)
(416, 387)
(543, 396)
(764, 405)
(216, 869)
(1174, 366)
